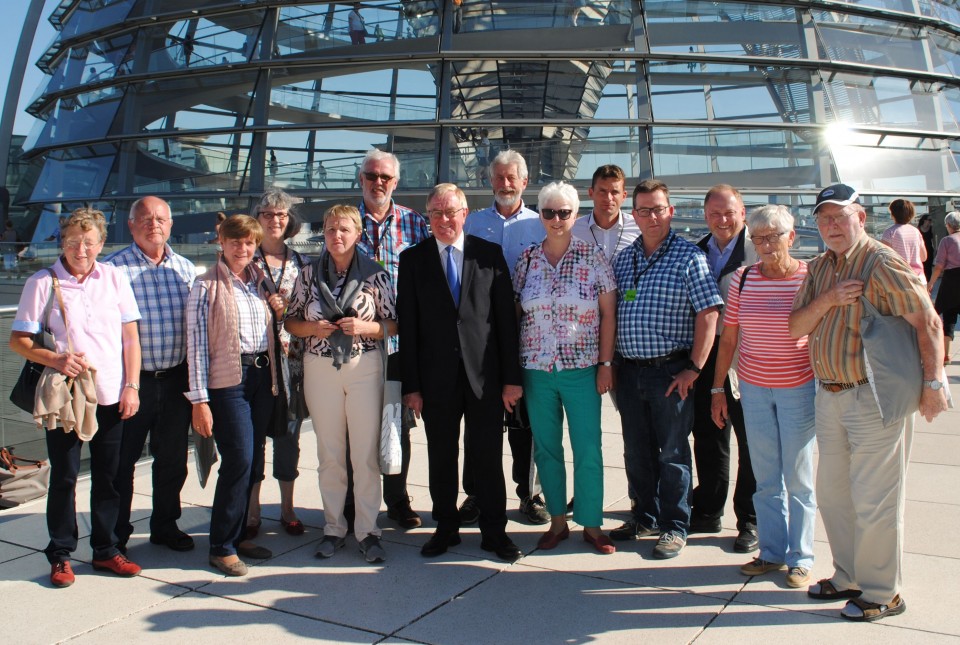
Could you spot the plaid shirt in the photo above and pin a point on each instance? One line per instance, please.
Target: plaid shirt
(658, 297)
(401, 228)
(161, 291)
(253, 331)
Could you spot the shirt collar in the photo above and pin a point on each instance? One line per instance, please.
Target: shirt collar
(63, 274)
(137, 251)
(516, 212)
(593, 222)
(458, 244)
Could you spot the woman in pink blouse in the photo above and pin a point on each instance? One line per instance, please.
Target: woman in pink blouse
(905, 239)
(567, 300)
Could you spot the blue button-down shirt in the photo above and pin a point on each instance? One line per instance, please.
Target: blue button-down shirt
(717, 258)
(514, 234)
(161, 291)
(658, 297)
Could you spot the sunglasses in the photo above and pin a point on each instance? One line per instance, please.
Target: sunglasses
(550, 213)
(372, 176)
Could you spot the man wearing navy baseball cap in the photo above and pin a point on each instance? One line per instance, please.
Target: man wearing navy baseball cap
(863, 456)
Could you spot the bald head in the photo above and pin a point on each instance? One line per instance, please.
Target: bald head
(150, 224)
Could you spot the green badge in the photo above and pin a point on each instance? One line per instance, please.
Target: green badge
(630, 295)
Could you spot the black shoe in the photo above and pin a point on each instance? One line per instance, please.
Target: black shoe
(703, 525)
(631, 530)
(534, 510)
(178, 541)
(401, 513)
(469, 511)
(439, 542)
(503, 547)
(747, 541)
(569, 513)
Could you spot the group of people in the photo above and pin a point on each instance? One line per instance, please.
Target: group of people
(506, 318)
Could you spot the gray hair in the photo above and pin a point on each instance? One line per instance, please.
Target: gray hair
(771, 216)
(280, 200)
(137, 205)
(380, 155)
(440, 190)
(952, 220)
(559, 190)
(511, 158)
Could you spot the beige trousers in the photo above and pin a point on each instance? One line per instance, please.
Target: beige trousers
(861, 481)
(343, 402)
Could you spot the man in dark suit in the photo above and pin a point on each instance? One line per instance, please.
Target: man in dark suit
(727, 249)
(459, 359)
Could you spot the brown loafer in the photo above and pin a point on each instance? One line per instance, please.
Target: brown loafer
(550, 540)
(233, 569)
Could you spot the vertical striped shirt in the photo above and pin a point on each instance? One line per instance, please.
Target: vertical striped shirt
(836, 351)
(161, 291)
(251, 313)
(767, 355)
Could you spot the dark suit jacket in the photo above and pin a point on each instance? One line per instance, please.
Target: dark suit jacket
(435, 336)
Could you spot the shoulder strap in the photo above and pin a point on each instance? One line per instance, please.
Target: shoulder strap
(743, 278)
(63, 309)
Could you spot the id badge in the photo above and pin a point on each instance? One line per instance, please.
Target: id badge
(630, 295)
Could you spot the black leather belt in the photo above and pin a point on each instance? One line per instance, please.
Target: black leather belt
(162, 374)
(255, 360)
(659, 361)
(841, 387)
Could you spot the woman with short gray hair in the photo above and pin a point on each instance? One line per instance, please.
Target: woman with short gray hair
(947, 265)
(777, 392)
(281, 265)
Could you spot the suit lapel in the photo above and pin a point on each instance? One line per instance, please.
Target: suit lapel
(469, 266)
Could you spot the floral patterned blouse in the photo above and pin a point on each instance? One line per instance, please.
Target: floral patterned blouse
(374, 302)
(560, 323)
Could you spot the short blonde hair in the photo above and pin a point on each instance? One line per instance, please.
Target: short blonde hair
(240, 227)
(86, 219)
(343, 211)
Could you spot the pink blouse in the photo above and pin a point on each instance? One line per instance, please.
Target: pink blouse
(96, 310)
(907, 241)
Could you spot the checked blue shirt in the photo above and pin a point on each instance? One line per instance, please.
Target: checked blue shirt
(161, 291)
(658, 297)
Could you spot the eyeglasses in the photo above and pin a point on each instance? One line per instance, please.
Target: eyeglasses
(550, 213)
(76, 244)
(449, 213)
(650, 212)
(773, 238)
(372, 176)
(274, 214)
(830, 220)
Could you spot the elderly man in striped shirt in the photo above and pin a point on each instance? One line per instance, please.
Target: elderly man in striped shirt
(161, 282)
(863, 457)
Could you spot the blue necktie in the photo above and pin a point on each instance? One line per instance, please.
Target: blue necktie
(453, 278)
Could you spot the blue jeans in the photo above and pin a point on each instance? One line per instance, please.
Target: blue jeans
(781, 434)
(549, 395)
(656, 452)
(241, 415)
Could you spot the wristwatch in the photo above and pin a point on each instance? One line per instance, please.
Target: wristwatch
(693, 366)
(933, 385)
(132, 386)
(605, 364)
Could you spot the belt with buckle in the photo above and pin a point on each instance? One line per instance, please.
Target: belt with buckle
(162, 374)
(658, 361)
(255, 360)
(841, 387)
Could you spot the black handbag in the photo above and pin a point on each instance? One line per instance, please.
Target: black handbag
(25, 389)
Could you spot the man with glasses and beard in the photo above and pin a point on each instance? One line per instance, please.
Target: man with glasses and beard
(514, 227)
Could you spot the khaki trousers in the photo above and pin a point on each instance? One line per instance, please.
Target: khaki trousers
(342, 403)
(860, 490)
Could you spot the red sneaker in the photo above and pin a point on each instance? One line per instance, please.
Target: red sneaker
(119, 565)
(61, 574)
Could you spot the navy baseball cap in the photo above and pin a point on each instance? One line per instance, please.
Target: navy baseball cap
(839, 194)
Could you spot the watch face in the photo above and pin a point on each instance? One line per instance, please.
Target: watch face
(933, 385)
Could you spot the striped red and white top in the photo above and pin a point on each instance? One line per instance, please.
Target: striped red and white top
(768, 357)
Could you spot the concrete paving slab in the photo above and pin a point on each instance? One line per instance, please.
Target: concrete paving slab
(570, 608)
(197, 617)
(13, 551)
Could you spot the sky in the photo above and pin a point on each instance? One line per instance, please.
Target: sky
(11, 26)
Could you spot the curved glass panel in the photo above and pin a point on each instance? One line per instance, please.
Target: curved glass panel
(321, 95)
(857, 39)
(98, 60)
(308, 28)
(202, 42)
(894, 163)
(74, 173)
(178, 164)
(83, 117)
(330, 159)
(94, 14)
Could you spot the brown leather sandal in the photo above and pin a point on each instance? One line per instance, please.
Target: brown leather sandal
(860, 610)
(825, 590)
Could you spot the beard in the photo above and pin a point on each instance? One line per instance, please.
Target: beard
(507, 200)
